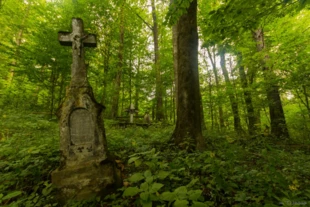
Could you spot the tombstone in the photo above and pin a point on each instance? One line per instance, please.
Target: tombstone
(86, 170)
(147, 119)
(131, 110)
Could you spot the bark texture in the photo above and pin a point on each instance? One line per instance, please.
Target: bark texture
(277, 118)
(252, 119)
(118, 77)
(188, 123)
(159, 90)
(217, 82)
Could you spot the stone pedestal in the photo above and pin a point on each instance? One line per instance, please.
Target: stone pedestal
(86, 180)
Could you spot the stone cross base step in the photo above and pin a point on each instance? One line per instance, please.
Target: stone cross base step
(87, 180)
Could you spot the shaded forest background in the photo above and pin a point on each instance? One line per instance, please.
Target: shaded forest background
(237, 68)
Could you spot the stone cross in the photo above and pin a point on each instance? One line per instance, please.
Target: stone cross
(78, 39)
(86, 168)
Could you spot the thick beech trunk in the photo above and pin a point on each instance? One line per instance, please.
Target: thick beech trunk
(277, 118)
(188, 125)
(232, 98)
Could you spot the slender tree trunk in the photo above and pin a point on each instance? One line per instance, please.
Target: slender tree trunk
(203, 123)
(277, 118)
(188, 111)
(137, 86)
(252, 119)
(159, 92)
(213, 122)
(217, 82)
(232, 98)
(106, 62)
(130, 77)
(117, 81)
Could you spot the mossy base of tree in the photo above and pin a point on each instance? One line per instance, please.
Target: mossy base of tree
(86, 181)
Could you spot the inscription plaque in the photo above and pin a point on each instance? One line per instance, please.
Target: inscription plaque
(81, 127)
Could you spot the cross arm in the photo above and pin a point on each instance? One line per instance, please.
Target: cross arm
(66, 39)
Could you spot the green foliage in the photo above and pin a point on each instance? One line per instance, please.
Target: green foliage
(241, 172)
(176, 9)
(28, 154)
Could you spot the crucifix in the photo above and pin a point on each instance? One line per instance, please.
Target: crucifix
(78, 40)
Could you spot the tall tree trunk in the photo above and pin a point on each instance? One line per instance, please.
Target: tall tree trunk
(232, 98)
(130, 77)
(117, 81)
(188, 123)
(137, 86)
(217, 82)
(203, 123)
(213, 120)
(175, 63)
(252, 119)
(277, 118)
(106, 67)
(159, 91)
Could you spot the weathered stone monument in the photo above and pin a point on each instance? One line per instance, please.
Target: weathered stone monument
(85, 170)
(131, 110)
(147, 118)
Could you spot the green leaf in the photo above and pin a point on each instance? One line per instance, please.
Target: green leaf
(270, 205)
(194, 194)
(12, 195)
(145, 196)
(168, 196)
(146, 203)
(47, 190)
(241, 196)
(131, 191)
(136, 177)
(147, 173)
(144, 186)
(155, 187)
(133, 159)
(180, 203)
(199, 204)
(192, 183)
(181, 192)
(149, 179)
(138, 162)
(162, 174)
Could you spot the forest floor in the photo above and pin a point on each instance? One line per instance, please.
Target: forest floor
(233, 171)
